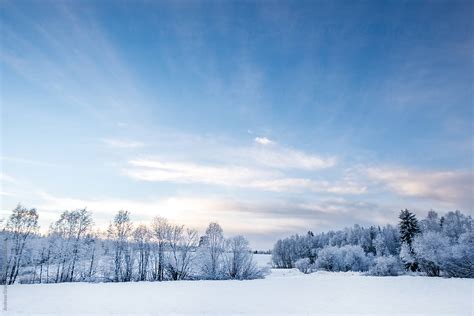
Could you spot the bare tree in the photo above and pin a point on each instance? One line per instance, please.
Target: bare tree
(20, 226)
(141, 237)
(238, 260)
(181, 243)
(213, 250)
(161, 231)
(71, 228)
(119, 232)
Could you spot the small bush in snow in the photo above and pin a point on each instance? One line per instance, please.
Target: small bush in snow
(304, 265)
(431, 249)
(346, 258)
(460, 261)
(386, 266)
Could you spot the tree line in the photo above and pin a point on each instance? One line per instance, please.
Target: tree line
(72, 250)
(435, 246)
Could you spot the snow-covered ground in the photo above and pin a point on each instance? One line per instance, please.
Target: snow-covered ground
(284, 292)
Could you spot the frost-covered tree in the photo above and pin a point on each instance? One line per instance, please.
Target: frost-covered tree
(454, 224)
(387, 241)
(71, 227)
(409, 228)
(141, 239)
(430, 250)
(460, 259)
(386, 266)
(119, 233)
(212, 253)
(161, 230)
(20, 227)
(238, 260)
(182, 243)
(304, 265)
(345, 258)
(431, 223)
(287, 251)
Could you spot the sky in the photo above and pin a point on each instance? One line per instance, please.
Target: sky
(269, 117)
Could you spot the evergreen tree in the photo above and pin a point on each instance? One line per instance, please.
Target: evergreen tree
(409, 228)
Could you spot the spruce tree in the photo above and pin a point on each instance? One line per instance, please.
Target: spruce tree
(408, 229)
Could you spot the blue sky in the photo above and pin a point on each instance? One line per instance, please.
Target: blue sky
(269, 117)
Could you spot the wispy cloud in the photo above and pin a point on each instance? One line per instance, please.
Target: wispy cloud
(183, 172)
(452, 187)
(233, 176)
(260, 219)
(288, 158)
(234, 216)
(121, 143)
(25, 161)
(6, 193)
(6, 178)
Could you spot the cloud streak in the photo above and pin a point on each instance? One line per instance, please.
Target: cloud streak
(261, 219)
(451, 187)
(282, 157)
(232, 176)
(121, 143)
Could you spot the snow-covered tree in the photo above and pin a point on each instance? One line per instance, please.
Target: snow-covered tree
(304, 265)
(460, 259)
(211, 253)
(454, 224)
(430, 251)
(141, 239)
(119, 233)
(21, 225)
(386, 266)
(408, 230)
(238, 260)
(182, 242)
(345, 258)
(431, 223)
(161, 230)
(71, 227)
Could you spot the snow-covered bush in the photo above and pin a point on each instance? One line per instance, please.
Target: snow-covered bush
(460, 261)
(431, 249)
(305, 265)
(238, 261)
(287, 251)
(346, 258)
(211, 253)
(355, 258)
(386, 266)
(329, 259)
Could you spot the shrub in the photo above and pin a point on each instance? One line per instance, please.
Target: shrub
(460, 261)
(386, 266)
(304, 265)
(431, 250)
(346, 258)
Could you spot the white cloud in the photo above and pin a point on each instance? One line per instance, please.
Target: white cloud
(6, 193)
(452, 187)
(234, 176)
(263, 141)
(261, 220)
(6, 178)
(298, 184)
(288, 158)
(235, 216)
(156, 170)
(121, 143)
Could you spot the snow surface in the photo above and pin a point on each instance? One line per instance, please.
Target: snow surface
(284, 292)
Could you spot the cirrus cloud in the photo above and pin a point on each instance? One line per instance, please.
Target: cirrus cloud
(155, 170)
(451, 187)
